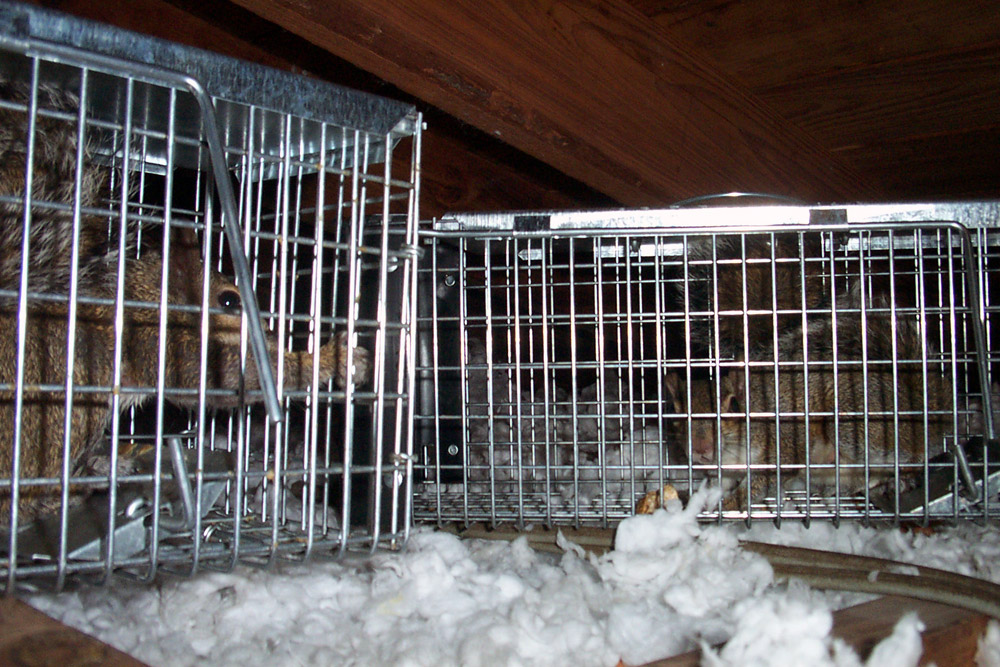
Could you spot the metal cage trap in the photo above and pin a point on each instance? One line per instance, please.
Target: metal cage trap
(210, 345)
(814, 362)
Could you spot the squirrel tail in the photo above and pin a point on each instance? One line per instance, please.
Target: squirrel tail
(53, 172)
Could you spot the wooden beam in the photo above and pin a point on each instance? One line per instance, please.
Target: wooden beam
(592, 88)
(464, 169)
(950, 637)
(29, 637)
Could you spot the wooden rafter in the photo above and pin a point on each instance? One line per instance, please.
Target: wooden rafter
(592, 88)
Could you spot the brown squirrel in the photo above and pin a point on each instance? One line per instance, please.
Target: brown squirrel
(41, 418)
(735, 273)
(704, 413)
(838, 423)
(53, 176)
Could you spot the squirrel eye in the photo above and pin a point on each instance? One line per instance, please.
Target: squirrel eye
(230, 300)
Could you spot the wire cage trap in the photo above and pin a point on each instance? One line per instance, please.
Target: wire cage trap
(829, 362)
(205, 421)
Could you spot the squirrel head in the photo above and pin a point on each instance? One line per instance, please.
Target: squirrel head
(187, 272)
(185, 279)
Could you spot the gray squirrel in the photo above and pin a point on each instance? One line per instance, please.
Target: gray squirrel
(42, 416)
(733, 274)
(857, 415)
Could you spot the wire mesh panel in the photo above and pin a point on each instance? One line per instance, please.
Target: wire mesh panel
(208, 288)
(828, 362)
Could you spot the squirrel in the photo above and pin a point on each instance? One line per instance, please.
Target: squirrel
(42, 416)
(735, 273)
(838, 423)
(703, 413)
(53, 177)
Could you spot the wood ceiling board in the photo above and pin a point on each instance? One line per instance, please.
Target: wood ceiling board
(919, 97)
(778, 42)
(900, 90)
(961, 165)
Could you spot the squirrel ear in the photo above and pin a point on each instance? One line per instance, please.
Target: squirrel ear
(185, 250)
(732, 392)
(672, 383)
(186, 269)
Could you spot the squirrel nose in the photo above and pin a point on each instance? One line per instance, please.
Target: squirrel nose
(702, 448)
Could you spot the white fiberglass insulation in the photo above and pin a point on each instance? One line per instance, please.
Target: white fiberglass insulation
(670, 585)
